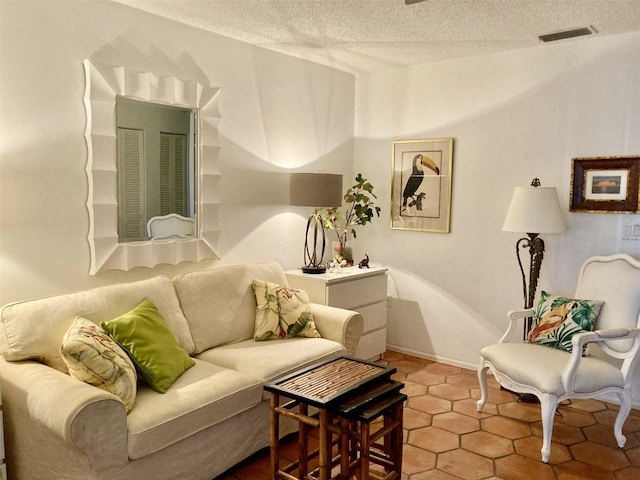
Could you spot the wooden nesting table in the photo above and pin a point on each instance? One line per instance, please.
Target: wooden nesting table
(349, 394)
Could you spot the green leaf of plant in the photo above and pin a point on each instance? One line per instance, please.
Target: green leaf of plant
(359, 211)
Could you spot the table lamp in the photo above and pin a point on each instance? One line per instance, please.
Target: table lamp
(319, 190)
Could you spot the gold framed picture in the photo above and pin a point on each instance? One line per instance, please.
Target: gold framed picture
(605, 185)
(421, 185)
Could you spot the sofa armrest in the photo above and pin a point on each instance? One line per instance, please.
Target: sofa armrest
(338, 324)
(65, 411)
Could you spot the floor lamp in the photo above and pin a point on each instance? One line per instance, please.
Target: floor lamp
(319, 190)
(533, 210)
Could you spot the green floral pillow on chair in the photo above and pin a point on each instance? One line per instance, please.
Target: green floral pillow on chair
(557, 319)
(282, 312)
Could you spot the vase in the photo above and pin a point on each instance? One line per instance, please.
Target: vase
(342, 252)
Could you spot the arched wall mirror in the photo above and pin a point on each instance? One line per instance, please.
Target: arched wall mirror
(116, 243)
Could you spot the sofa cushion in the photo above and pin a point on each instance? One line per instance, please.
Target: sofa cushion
(94, 358)
(219, 304)
(282, 312)
(203, 396)
(267, 361)
(34, 329)
(145, 335)
(542, 367)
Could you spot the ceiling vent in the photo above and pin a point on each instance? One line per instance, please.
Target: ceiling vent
(564, 34)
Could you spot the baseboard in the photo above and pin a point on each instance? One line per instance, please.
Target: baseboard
(435, 358)
(613, 399)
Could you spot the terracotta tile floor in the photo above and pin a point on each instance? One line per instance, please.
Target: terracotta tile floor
(447, 439)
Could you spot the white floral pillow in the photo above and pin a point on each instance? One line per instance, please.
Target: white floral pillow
(282, 312)
(93, 357)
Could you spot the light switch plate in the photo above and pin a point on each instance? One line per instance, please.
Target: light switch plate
(631, 231)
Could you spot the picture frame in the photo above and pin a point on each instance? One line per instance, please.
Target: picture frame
(605, 185)
(421, 185)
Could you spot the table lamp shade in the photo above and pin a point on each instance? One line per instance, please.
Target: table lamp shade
(534, 210)
(315, 189)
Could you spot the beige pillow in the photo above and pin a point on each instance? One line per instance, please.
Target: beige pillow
(282, 312)
(93, 357)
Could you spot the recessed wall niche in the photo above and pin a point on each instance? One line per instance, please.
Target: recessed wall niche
(103, 85)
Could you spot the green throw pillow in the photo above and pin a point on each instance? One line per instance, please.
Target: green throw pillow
(146, 336)
(557, 319)
(282, 312)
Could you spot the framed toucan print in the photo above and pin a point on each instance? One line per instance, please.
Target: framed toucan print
(421, 185)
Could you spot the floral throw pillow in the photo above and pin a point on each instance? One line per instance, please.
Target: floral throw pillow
(94, 358)
(557, 319)
(282, 312)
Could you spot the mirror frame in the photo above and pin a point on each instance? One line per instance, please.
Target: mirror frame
(102, 86)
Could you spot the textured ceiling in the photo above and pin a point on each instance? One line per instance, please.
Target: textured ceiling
(366, 35)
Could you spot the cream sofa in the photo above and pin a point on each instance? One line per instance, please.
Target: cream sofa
(213, 416)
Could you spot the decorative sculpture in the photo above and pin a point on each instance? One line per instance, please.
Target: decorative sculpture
(364, 263)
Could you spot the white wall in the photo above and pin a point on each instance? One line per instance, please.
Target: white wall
(513, 116)
(278, 114)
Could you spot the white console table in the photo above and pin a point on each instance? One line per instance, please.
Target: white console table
(363, 290)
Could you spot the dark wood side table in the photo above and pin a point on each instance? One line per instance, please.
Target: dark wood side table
(361, 445)
(348, 393)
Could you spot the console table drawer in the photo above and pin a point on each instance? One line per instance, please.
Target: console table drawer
(352, 295)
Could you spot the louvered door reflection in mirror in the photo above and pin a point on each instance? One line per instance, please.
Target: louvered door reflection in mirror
(156, 159)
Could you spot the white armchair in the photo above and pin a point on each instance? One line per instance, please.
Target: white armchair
(555, 375)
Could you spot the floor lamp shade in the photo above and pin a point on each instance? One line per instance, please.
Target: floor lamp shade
(534, 210)
(315, 190)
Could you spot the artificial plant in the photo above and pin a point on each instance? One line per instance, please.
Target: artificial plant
(359, 210)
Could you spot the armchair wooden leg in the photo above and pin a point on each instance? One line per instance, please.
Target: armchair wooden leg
(623, 413)
(548, 405)
(482, 379)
